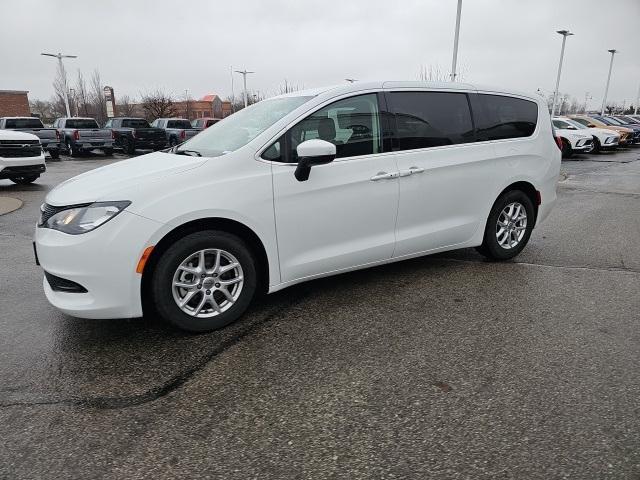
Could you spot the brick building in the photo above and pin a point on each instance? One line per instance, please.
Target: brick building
(14, 103)
(208, 106)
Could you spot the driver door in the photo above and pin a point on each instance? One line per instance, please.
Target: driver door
(344, 215)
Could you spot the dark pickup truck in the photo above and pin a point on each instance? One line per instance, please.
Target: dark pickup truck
(177, 130)
(49, 137)
(133, 134)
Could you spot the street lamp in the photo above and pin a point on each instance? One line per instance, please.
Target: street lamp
(455, 43)
(635, 111)
(613, 51)
(565, 34)
(60, 56)
(587, 97)
(244, 79)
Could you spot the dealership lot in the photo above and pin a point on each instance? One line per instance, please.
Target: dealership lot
(447, 365)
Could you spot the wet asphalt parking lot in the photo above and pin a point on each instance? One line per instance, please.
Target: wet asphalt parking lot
(441, 367)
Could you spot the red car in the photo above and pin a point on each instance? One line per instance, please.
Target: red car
(204, 122)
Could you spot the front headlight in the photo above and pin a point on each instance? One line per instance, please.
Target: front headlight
(82, 218)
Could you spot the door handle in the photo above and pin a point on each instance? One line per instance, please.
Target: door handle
(411, 171)
(383, 176)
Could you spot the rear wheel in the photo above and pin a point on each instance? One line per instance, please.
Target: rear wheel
(108, 151)
(173, 142)
(508, 227)
(25, 180)
(204, 281)
(72, 150)
(55, 154)
(128, 146)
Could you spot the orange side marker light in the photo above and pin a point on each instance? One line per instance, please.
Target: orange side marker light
(143, 259)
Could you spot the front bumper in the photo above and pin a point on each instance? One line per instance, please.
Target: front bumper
(18, 166)
(582, 144)
(102, 261)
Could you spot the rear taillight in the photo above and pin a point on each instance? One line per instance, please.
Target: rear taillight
(183, 134)
(76, 135)
(57, 136)
(133, 133)
(558, 142)
(113, 135)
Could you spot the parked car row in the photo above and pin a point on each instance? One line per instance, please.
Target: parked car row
(587, 133)
(76, 136)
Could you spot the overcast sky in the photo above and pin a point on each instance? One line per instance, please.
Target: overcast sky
(140, 45)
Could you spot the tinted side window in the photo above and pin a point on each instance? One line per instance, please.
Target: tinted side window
(499, 117)
(352, 125)
(431, 119)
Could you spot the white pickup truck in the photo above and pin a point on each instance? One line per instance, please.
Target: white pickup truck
(21, 157)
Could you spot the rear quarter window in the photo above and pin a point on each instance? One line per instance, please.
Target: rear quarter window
(499, 117)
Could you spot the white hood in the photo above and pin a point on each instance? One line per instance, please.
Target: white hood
(119, 178)
(13, 135)
(603, 131)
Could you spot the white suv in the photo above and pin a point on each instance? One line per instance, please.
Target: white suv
(296, 187)
(21, 157)
(574, 132)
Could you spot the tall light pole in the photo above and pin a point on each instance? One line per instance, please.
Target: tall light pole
(60, 56)
(587, 97)
(613, 51)
(244, 79)
(454, 62)
(635, 110)
(565, 34)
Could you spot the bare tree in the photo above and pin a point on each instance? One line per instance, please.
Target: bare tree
(97, 98)
(60, 86)
(287, 87)
(238, 103)
(83, 103)
(44, 109)
(157, 104)
(126, 107)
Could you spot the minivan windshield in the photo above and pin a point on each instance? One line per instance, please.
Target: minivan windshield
(240, 128)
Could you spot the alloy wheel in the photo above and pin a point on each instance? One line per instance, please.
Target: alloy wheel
(207, 283)
(511, 225)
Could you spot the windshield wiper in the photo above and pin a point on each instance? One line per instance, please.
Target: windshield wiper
(190, 153)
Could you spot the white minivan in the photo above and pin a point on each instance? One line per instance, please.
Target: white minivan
(300, 186)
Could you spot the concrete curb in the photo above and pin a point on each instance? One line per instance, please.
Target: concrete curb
(9, 204)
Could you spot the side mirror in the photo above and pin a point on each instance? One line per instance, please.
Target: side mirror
(591, 125)
(313, 152)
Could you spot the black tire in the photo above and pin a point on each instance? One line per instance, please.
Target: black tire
(127, 146)
(596, 146)
(25, 180)
(161, 288)
(54, 154)
(490, 247)
(567, 151)
(72, 150)
(173, 141)
(108, 151)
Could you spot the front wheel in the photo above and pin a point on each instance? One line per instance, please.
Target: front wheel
(24, 180)
(508, 227)
(567, 151)
(204, 281)
(596, 145)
